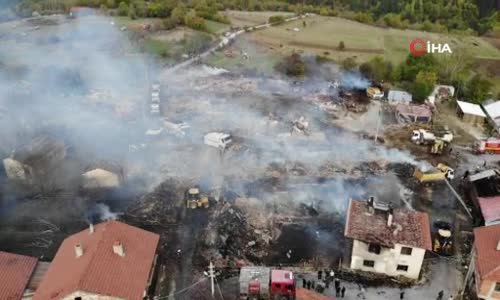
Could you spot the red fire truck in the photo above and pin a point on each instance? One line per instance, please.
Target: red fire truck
(491, 145)
(262, 283)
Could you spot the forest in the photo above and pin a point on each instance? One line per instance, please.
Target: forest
(470, 16)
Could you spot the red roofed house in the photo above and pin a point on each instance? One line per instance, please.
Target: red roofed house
(386, 240)
(111, 260)
(15, 273)
(487, 261)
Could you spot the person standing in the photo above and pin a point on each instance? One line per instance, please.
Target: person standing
(342, 292)
(337, 283)
(402, 295)
(320, 274)
(304, 282)
(313, 285)
(327, 283)
(440, 295)
(309, 284)
(337, 292)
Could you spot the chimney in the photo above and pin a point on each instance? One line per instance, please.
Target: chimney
(118, 249)
(389, 217)
(370, 202)
(78, 250)
(91, 228)
(498, 246)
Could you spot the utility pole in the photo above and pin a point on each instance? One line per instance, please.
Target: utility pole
(211, 274)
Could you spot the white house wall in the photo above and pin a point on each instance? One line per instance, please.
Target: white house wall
(387, 261)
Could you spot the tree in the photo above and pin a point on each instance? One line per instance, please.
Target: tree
(193, 21)
(292, 65)
(414, 64)
(341, 46)
(477, 89)
(349, 64)
(377, 69)
(131, 12)
(423, 85)
(111, 3)
(123, 9)
(179, 13)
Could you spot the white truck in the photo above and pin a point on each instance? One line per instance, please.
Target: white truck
(218, 140)
(426, 137)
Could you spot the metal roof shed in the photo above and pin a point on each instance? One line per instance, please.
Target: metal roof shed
(470, 113)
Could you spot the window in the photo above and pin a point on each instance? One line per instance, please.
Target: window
(406, 250)
(374, 248)
(402, 268)
(369, 263)
(277, 285)
(497, 287)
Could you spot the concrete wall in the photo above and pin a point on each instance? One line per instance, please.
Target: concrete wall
(486, 290)
(89, 296)
(387, 261)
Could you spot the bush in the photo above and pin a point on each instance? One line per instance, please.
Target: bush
(341, 46)
(276, 20)
(193, 21)
(169, 23)
(196, 43)
(349, 64)
(292, 65)
(363, 17)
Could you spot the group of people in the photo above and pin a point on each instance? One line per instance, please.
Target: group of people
(325, 278)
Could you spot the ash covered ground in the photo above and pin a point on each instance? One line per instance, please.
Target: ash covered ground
(74, 95)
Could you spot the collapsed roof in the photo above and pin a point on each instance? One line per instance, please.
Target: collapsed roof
(409, 228)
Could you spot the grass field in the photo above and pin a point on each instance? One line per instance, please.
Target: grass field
(216, 27)
(322, 36)
(251, 18)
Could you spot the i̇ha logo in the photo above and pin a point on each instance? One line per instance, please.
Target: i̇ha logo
(418, 47)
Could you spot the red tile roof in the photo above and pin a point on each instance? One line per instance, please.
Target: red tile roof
(305, 294)
(15, 272)
(490, 208)
(409, 228)
(99, 270)
(487, 256)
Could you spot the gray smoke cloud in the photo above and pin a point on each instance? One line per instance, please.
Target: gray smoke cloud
(82, 81)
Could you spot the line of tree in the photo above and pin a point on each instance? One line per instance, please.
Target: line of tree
(478, 16)
(419, 75)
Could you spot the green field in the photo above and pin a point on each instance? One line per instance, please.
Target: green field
(322, 35)
(216, 27)
(251, 18)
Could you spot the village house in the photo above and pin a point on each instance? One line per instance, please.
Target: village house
(109, 261)
(15, 274)
(406, 114)
(386, 240)
(484, 194)
(487, 262)
(471, 113)
(395, 97)
(441, 93)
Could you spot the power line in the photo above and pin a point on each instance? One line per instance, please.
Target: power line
(182, 291)
(218, 288)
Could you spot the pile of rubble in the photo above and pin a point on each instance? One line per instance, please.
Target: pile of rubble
(231, 241)
(162, 207)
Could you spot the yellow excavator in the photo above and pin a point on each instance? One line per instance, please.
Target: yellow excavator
(194, 200)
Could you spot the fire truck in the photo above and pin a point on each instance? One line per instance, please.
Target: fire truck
(262, 283)
(491, 145)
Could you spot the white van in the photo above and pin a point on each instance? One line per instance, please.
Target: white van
(218, 140)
